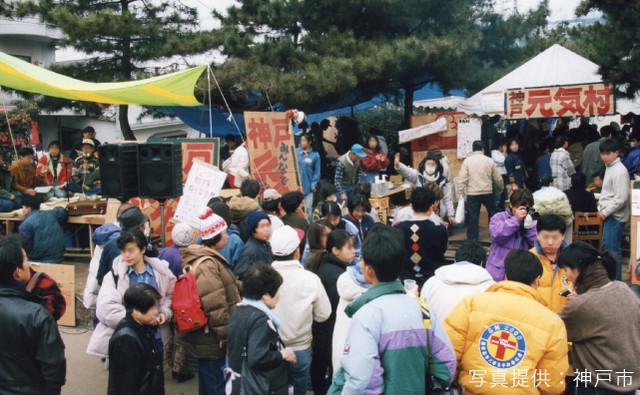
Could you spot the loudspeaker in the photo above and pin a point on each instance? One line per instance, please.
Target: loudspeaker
(119, 170)
(160, 170)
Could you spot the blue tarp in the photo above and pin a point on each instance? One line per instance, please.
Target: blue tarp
(198, 117)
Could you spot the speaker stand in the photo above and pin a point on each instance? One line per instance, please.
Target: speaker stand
(162, 224)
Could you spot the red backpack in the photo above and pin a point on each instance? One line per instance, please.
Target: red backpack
(186, 304)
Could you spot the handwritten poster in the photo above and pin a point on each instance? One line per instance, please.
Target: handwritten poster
(272, 150)
(203, 182)
(469, 130)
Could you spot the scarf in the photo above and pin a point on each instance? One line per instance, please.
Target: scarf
(355, 272)
(258, 304)
(380, 289)
(594, 276)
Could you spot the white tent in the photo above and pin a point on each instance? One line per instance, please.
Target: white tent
(553, 67)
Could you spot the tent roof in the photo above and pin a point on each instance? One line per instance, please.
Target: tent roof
(552, 67)
(175, 89)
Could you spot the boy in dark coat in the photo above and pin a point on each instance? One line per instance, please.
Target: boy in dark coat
(135, 363)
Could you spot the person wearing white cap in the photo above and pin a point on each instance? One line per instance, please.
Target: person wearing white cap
(271, 206)
(303, 300)
(86, 172)
(348, 171)
(219, 293)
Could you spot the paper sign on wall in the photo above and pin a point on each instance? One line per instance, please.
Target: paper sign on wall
(203, 182)
(469, 130)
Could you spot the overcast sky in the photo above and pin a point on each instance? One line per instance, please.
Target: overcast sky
(560, 10)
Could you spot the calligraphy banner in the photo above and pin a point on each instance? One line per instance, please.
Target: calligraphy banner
(560, 101)
(272, 151)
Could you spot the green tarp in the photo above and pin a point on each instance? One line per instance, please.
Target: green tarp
(175, 89)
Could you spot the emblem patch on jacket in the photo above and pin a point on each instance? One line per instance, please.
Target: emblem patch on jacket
(502, 345)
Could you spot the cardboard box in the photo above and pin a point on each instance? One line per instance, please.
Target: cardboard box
(65, 276)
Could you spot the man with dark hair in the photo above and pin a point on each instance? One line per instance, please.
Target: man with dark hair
(451, 283)
(508, 329)
(549, 243)
(425, 241)
(477, 177)
(230, 145)
(591, 161)
(32, 360)
(293, 205)
(135, 366)
(257, 247)
(24, 174)
(386, 347)
(42, 231)
(243, 205)
(303, 300)
(613, 205)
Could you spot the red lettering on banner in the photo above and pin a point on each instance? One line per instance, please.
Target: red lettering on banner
(259, 133)
(541, 98)
(569, 99)
(516, 100)
(599, 98)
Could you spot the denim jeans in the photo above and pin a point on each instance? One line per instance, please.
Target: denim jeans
(7, 205)
(473, 220)
(613, 230)
(210, 376)
(308, 206)
(299, 373)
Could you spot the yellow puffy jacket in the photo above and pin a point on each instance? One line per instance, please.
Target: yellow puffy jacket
(552, 282)
(507, 342)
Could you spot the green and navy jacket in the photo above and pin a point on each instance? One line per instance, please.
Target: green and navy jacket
(386, 349)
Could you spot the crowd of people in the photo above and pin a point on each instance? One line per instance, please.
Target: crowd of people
(282, 293)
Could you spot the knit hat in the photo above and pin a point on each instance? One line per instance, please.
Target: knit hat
(89, 142)
(211, 224)
(182, 234)
(285, 240)
(253, 219)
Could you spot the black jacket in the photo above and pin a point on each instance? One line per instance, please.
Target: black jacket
(265, 369)
(135, 365)
(582, 200)
(329, 270)
(254, 251)
(31, 353)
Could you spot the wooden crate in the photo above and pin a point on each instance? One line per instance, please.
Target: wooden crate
(65, 276)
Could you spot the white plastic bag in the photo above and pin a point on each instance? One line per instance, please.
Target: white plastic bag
(460, 212)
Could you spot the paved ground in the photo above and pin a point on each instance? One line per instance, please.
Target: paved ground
(86, 374)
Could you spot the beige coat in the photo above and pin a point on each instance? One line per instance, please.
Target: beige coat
(477, 176)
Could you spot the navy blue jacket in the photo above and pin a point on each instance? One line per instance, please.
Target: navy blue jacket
(44, 235)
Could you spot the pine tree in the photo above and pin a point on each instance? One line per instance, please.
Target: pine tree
(612, 42)
(307, 54)
(120, 36)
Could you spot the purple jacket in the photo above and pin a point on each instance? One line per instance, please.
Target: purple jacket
(507, 234)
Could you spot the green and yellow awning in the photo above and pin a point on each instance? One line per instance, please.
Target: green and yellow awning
(175, 89)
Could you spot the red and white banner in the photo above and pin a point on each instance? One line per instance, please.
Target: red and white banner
(560, 101)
